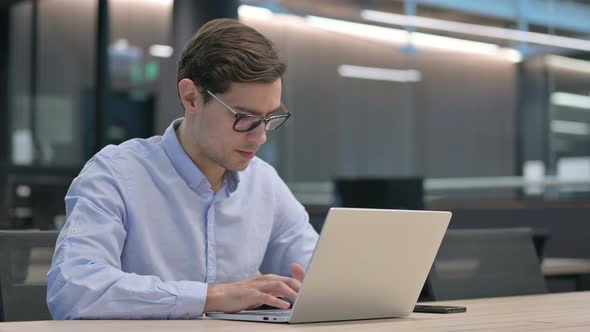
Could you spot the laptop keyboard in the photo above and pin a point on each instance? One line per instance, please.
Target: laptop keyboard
(277, 312)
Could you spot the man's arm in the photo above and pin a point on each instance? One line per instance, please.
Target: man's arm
(293, 239)
(86, 280)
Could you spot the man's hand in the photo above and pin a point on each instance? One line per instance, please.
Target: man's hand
(297, 271)
(252, 293)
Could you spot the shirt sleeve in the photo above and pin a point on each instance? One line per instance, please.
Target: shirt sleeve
(293, 239)
(86, 281)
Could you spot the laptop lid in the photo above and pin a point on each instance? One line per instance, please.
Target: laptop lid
(368, 263)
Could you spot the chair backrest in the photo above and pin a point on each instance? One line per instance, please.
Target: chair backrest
(478, 263)
(406, 193)
(26, 259)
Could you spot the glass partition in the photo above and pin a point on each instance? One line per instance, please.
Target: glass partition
(51, 69)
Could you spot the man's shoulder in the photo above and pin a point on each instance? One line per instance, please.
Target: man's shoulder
(260, 167)
(132, 153)
(261, 175)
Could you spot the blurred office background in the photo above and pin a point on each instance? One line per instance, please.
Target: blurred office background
(479, 107)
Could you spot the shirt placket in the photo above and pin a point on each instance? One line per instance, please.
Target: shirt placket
(211, 254)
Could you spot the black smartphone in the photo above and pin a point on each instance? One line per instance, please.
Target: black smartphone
(439, 309)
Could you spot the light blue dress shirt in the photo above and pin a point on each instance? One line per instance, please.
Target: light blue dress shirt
(145, 233)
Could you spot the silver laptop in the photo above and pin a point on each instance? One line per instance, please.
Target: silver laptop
(367, 264)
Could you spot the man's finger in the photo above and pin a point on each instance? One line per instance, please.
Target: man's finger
(279, 289)
(273, 301)
(297, 271)
(294, 284)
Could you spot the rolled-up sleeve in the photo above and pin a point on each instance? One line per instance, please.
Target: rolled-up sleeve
(86, 281)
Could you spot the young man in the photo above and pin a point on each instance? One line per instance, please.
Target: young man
(177, 225)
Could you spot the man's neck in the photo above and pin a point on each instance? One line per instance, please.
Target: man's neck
(212, 171)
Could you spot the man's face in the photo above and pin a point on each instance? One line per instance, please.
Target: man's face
(212, 128)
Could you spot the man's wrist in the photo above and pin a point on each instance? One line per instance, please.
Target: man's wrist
(214, 296)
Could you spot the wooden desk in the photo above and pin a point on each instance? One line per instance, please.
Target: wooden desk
(550, 312)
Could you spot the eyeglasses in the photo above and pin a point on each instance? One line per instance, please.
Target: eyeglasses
(247, 122)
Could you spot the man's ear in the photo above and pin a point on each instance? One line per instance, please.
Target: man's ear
(190, 96)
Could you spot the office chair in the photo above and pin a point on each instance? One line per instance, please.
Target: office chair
(26, 259)
(478, 263)
(406, 193)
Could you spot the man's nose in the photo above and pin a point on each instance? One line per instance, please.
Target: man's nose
(258, 134)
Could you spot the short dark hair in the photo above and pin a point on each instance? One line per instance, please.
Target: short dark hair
(225, 51)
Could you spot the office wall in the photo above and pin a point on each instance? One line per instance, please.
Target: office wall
(458, 121)
(340, 126)
(466, 106)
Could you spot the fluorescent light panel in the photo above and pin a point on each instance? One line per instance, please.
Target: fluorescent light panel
(570, 100)
(254, 12)
(161, 51)
(120, 45)
(372, 32)
(357, 29)
(367, 31)
(568, 63)
(453, 44)
(164, 2)
(476, 29)
(570, 127)
(120, 48)
(379, 74)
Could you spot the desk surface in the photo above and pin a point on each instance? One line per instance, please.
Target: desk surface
(550, 312)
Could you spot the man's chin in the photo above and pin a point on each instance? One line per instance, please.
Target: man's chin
(238, 167)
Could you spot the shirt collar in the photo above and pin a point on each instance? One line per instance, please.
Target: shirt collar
(232, 179)
(185, 167)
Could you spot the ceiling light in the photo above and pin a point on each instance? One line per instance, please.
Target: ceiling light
(121, 49)
(454, 44)
(379, 74)
(120, 45)
(245, 11)
(161, 51)
(358, 29)
(476, 29)
(415, 38)
(570, 127)
(568, 63)
(570, 100)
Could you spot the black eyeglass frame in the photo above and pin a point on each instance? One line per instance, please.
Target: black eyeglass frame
(239, 116)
